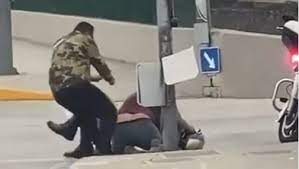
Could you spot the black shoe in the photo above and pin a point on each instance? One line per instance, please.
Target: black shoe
(98, 153)
(78, 153)
(63, 130)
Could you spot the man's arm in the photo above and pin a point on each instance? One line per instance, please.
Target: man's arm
(99, 64)
(183, 125)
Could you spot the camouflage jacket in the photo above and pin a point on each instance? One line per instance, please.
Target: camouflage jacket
(71, 60)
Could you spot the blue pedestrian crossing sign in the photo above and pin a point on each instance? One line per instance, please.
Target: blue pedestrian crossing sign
(209, 60)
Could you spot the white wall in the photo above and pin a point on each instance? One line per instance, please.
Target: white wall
(117, 40)
(251, 62)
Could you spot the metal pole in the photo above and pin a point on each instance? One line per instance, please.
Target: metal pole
(209, 15)
(202, 26)
(6, 61)
(169, 125)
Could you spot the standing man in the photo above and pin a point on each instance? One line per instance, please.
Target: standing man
(69, 79)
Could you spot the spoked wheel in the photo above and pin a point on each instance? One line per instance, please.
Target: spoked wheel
(288, 128)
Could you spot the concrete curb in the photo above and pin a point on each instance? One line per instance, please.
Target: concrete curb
(7, 94)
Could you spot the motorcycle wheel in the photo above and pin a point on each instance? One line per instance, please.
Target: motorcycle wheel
(288, 128)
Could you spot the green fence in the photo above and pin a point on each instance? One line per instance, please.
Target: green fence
(141, 11)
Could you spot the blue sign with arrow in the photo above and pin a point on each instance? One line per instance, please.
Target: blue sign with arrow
(209, 60)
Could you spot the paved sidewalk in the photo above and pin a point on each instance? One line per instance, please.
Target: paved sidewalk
(193, 160)
(239, 134)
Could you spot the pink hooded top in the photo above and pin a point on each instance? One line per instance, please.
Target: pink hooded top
(131, 110)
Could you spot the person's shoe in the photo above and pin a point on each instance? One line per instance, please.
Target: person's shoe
(78, 153)
(156, 149)
(99, 153)
(62, 130)
(195, 141)
(133, 150)
(156, 146)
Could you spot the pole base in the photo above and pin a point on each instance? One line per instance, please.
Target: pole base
(213, 92)
(12, 71)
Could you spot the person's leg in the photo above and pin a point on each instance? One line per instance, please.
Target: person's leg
(92, 103)
(85, 141)
(147, 134)
(141, 133)
(67, 130)
(184, 126)
(85, 145)
(190, 138)
(68, 99)
(103, 136)
(121, 138)
(100, 110)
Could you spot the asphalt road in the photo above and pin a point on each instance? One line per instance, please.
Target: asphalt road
(232, 127)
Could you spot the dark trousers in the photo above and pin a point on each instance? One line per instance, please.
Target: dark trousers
(140, 133)
(94, 111)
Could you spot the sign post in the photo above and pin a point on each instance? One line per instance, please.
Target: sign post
(6, 61)
(169, 125)
(208, 57)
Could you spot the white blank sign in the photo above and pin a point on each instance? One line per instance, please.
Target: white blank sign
(180, 67)
(150, 87)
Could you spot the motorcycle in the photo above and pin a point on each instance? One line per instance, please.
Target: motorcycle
(288, 112)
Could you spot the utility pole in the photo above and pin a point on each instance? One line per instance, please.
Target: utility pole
(6, 61)
(169, 124)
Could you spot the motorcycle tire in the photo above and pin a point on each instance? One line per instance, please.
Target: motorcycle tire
(288, 134)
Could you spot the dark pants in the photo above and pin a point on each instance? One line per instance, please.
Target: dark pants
(94, 111)
(138, 133)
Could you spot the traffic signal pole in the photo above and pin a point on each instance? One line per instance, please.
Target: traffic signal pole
(168, 122)
(6, 61)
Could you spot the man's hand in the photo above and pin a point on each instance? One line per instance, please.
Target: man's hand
(111, 80)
